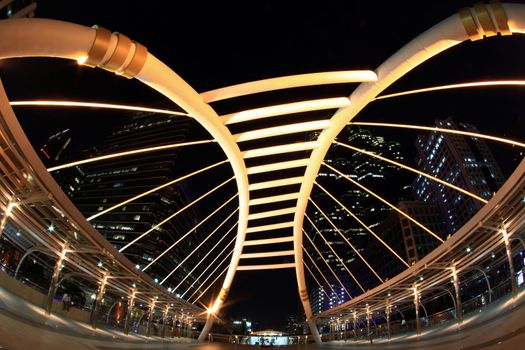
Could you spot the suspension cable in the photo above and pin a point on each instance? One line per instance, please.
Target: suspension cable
(197, 247)
(327, 264)
(211, 284)
(320, 272)
(443, 130)
(362, 224)
(335, 253)
(190, 231)
(384, 201)
(155, 189)
(128, 153)
(406, 167)
(173, 215)
(347, 241)
(204, 258)
(317, 281)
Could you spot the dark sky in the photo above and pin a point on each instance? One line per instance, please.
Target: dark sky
(215, 44)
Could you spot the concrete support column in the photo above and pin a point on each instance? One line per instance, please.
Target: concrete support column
(206, 329)
(416, 307)
(150, 317)
(457, 290)
(164, 321)
(508, 249)
(54, 280)
(129, 313)
(98, 300)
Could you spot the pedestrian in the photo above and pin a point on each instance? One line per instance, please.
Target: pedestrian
(66, 302)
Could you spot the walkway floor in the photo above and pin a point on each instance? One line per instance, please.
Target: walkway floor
(24, 326)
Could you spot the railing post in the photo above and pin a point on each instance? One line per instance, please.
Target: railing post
(416, 307)
(150, 317)
(98, 300)
(129, 313)
(54, 280)
(164, 321)
(368, 315)
(508, 249)
(457, 290)
(355, 325)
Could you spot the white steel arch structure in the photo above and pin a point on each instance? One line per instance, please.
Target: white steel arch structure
(117, 53)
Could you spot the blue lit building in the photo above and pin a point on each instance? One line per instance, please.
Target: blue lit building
(464, 161)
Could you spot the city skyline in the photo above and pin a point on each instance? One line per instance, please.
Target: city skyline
(375, 111)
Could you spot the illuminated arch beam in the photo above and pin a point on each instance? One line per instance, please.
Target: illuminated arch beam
(48, 103)
(454, 86)
(98, 47)
(284, 109)
(406, 167)
(439, 38)
(444, 130)
(291, 81)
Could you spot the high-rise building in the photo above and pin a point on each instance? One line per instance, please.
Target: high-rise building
(464, 161)
(406, 238)
(95, 187)
(376, 175)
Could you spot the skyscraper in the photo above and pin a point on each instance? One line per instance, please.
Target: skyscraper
(376, 175)
(96, 187)
(464, 161)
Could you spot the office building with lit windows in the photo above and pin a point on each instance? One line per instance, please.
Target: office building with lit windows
(464, 161)
(375, 175)
(98, 186)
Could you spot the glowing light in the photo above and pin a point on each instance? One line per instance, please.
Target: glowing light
(443, 130)
(137, 266)
(287, 82)
(51, 228)
(127, 153)
(100, 264)
(154, 190)
(289, 108)
(468, 249)
(156, 280)
(448, 184)
(82, 60)
(96, 105)
(456, 86)
(384, 201)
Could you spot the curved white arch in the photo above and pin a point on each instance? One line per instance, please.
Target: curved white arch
(52, 38)
(442, 36)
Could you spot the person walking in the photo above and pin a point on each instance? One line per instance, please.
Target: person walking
(66, 302)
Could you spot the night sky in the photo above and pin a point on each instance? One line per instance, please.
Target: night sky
(216, 44)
